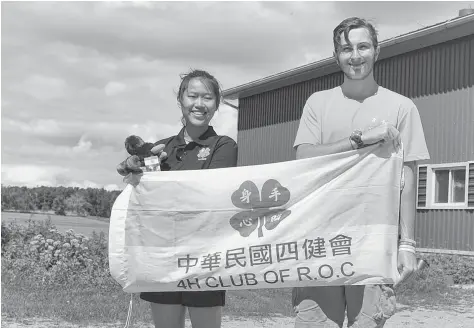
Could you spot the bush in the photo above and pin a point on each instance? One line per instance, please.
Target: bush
(429, 280)
(436, 278)
(5, 235)
(42, 255)
(460, 268)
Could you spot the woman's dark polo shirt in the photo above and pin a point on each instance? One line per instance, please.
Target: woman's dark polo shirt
(210, 151)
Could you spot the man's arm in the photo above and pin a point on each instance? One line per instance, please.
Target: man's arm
(382, 132)
(407, 262)
(308, 150)
(408, 203)
(415, 149)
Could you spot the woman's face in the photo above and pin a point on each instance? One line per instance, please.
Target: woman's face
(198, 103)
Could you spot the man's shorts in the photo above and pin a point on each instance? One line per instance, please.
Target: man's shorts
(190, 299)
(325, 307)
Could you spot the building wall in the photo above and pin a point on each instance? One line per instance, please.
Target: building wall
(267, 144)
(440, 81)
(433, 70)
(445, 229)
(448, 124)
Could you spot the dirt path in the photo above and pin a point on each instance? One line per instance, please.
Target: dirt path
(405, 317)
(457, 312)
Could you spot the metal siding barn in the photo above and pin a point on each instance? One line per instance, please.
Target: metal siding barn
(432, 66)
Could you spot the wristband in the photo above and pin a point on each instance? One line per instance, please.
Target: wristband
(407, 241)
(406, 244)
(407, 248)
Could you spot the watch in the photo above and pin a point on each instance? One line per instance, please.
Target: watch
(356, 136)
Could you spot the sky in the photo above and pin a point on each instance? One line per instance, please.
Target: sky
(77, 78)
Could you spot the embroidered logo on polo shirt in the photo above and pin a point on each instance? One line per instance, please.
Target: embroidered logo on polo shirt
(203, 153)
(263, 209)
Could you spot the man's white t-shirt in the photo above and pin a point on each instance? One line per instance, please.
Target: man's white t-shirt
(328, 116)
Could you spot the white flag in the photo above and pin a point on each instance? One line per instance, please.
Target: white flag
(329, 220)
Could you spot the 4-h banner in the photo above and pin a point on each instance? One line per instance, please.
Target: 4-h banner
(329, 220)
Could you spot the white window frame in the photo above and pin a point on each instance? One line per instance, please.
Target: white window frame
(431, 185)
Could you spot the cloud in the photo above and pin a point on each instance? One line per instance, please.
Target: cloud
(37, 127)
(114, 88)
(225, 121)
(82, 146)
(79, 77)
(111, 187)
(31, 175)
(44, 87)
(72, 133)
(227, 35)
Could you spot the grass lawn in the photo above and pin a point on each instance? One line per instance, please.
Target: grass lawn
(79, 224)
(93, 305)
(451, 298)
(89, 305)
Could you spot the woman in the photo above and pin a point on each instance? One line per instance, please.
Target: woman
(196, 147)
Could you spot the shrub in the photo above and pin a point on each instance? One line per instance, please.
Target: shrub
(435, 278)
(40, 254)
(5, 235)
(460, 268)
(429, 280)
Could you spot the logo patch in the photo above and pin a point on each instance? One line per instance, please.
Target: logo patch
(261, 208)
(203, 153)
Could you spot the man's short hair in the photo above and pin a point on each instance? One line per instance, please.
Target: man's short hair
(349, 24)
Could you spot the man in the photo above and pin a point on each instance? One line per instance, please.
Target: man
(356, 114)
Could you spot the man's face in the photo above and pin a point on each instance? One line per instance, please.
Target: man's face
(356, 57)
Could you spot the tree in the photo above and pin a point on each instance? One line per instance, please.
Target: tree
(59, 206)
(76, 203)
(90, 201)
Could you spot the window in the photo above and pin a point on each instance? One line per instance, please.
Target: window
(449, 186)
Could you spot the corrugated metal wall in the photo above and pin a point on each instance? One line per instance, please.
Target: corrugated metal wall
(448, 123)
(281, 105)
(445, 229)
(438, 69)
(439, 79)
(277, 145)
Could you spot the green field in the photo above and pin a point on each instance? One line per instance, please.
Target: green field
(79, 224)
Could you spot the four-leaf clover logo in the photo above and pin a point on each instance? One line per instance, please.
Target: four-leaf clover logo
(261, 209)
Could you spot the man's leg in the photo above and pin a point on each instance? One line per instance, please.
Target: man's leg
(319, 307)
(369, 306)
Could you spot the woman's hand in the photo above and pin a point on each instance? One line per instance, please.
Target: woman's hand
(131, 164)
(131, 167)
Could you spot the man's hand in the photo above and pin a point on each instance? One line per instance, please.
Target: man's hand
(407, 265)
(381, 133)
